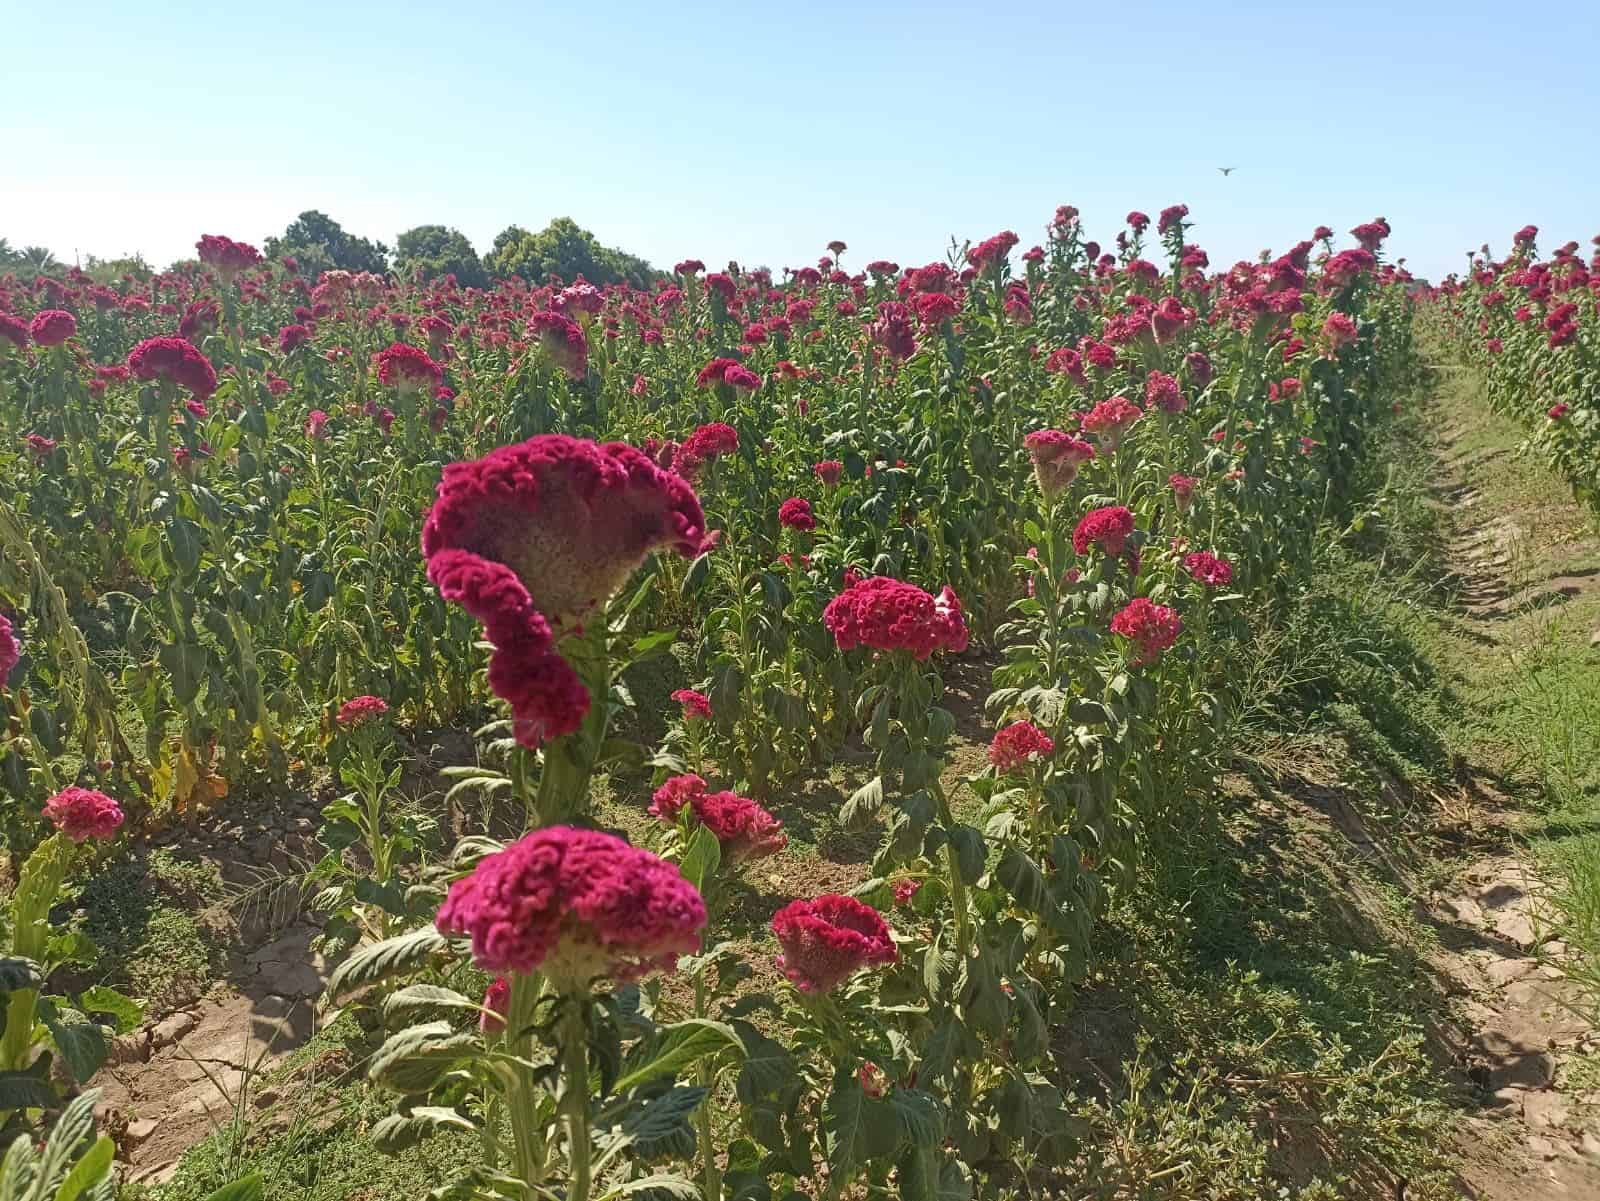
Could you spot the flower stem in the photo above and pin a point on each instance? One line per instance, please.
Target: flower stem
(575, 1097)
(521, 1106)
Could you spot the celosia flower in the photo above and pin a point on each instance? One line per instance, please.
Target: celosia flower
(707, 443)
(1056, 459)
(828, 939)
(893, 330)
(874, 1080)
(1138, 221)
(574, 905)
(225, 254)
(82, 813)
(673, 795)
(1020, 744)
(935, 307)
(1208, 569)
(407, 368)
(889, 615)
(1183, 487)
(741, 378)
(1339, 330)
(315, 421)
(542, 534)
(497, 1003)
(1152, 628)
(1171, 217)
(1162, 391)
(563, 340)
(905, 890)
(10, 649)
(1558, 410)
(40, 446)
(1108, 528)
(175, 360)
(52, 327)
(829, 471)
(1109, 420)
(291, 336)
(696, 705)
(795, 514)
(359, 710)
(743, 829)
(13, 330)
(1199, 368)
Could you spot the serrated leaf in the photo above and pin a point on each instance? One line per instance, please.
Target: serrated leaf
(701, 858)
(370, 965)
(412, 1061)
(23, 1090)
(660, 1126)
(768, 1065)
(424, 996)
(81, 1043)
(678, 1046)
(863, 805)
(401, 1130)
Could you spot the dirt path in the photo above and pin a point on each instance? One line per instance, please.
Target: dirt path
(1517, 539)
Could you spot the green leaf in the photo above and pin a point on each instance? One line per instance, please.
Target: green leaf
(424, 996)
(401, 1130)
(18, 973)
(678, 1046)
(768, 1066)
(369, 965)
(701, 858)
(861, 1128)
(81, 1043)
(671, 1186)
(971, 852)
(412, 1061)
(660, 1126)
(247, 1188)
(23, 1090)
(124, 1012)
(89, 1171)
(920, 1116)
(864, 805)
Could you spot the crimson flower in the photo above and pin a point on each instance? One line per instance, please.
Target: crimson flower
(52, 327)
(1108, 528)
(1151, 627)
(696, 705)
(407, 368)
(1019, 745)
(828, 939)
(795, 514)
(82, 813)
(174, 360)
(10, 649)
(890, 615)
(1208, 569)
(359, 710)
(1056, 459)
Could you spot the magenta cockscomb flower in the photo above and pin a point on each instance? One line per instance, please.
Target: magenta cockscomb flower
(1558, 411)
(1108, 528)
(1183, 487)
(83, 813)
(1171, 217)
(708, 443)
(532, 539)
(52, 327)
(574, 905)
(829, 471)
(1110, 420)
(828, 939)
(39, 446)
(316, 423)
(176, 361)
(1138, 221)
(1021, 744)
(10, 649)
(563, 340)
(1152, 628)
(743, 829)
(407, 368)
(696, 705)
(496, 1006)
(1208, 569)
(13, 330)
(895, 330)
(795, 514)
(291, 336)
(668, 800)
(1338, 330)
(1161, 391)
(360, 710)
(991, 252)
(890, 615)
(226, 255)
(1056, 456)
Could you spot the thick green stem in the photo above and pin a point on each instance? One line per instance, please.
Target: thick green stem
(575, 1097)
(40, 882)
(521, 1101)
(569, 762)
(708, 1149)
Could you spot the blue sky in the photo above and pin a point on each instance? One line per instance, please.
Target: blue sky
(761, 131)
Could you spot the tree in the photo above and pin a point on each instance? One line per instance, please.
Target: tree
(433, 251)
(110, 271)
(318, 243)
(40, 261)
(563, 250)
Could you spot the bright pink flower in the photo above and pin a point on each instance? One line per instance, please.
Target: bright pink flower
(52, 327)
(828, 939)
(315, 420)
(696, 705)
(741, 378)
(707, 443)
(13, 330)
(175, 360)
(1056, 459)
(1108, 528)
(935, 307)
(715, 371)
(894, 331)
(829, 471)
(541, 534)
(1110, 420)
(1182, 490)
(407, 368)
(992, 252)
(743, 829)
(1558, 411)
(1138, 221)
(359, 710)
(10, 649)
(1020, 744)
(40, 446)
(291, 336)
(82, 813)
(890, 615)
(497, 1001)
(905, 890)
(674, 794)
(1162, 391)
(1068, 362)
(874, 1080)
(1339, 330)
(225, 254)
(563, 340)
(1208, 569)
(1153, 628)
(574, 905)
(1171, 217)
(795, 514)
(1199, 368)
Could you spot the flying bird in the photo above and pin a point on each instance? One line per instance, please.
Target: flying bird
(1227, 170)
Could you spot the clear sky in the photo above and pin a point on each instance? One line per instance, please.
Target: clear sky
(760, 131)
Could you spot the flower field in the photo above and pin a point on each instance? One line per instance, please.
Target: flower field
(260, 530)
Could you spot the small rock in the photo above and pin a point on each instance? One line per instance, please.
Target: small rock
(1590, 1144)
(131, 1048)
(265, 1097)
(139, 1131)
(1503, 971)
(171, 1029)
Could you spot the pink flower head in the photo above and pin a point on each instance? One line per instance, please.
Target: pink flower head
(828, 939)
(741, 379)
(1162, 391)
(707, 443)
(1558, 410)
(1208, 569)
(1152, 628)
(497, 1002)
(1199, 368)
(935, 307)
(1068, 362)
(175, 360)
(82, 813)
(542, 534)
(52, 327)
(1056, 459)
(315, 421)
(890, 615)
(408, 368)
(715, 372)
(894, 330)
(10, 649)
(829, 471)
(40, 446)
(874, 1080)
(563, 340)
(1108, 528)
(574, 905)
(1339, 330)
(291, 336)
(1171, 217)
(743, 829)
(359, 710)
(1018, 745)
(1183, 487)
(696, 705)
(226, 255)
(795, 514)
(1138, 221)
(905, 890)
(991, 252)
(1110, 419)
(13, 330)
